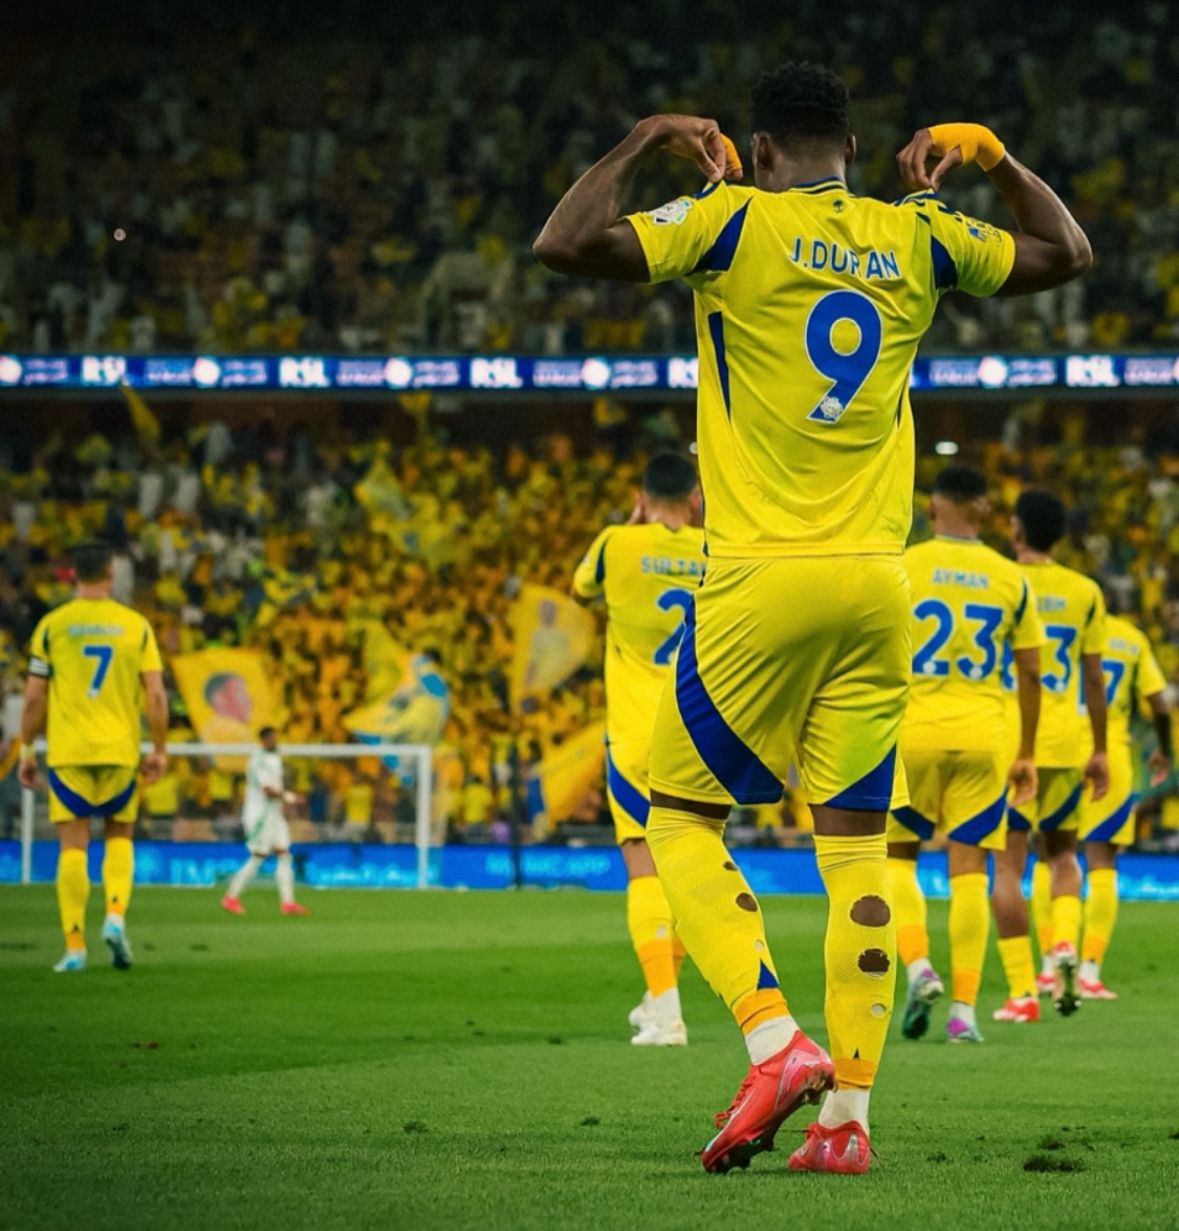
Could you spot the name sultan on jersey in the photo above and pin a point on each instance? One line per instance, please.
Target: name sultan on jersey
(819, 254)
(665, 566)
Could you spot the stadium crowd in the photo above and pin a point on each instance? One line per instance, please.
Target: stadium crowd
(287, 540)
(189, 191)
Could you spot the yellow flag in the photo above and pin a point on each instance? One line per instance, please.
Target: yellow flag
(227, 693)
(386, 662)
(566, 776)
(415, 712)
(147, 426)
(553, 637)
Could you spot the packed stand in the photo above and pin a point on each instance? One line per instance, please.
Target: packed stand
(201, 186)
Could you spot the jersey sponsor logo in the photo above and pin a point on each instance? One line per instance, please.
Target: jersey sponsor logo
(671, 214)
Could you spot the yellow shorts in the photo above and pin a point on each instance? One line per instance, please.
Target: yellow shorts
(1111, 818)
(960, 794)
(626, 789)
(1057, 805)
(78, 792)
(802, 660)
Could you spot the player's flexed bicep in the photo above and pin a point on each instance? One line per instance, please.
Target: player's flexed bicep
(967, 254)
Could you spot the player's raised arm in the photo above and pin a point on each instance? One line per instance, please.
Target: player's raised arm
(586, 233)
(1050, 247)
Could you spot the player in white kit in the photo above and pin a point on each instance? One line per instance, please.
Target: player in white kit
(267, 832)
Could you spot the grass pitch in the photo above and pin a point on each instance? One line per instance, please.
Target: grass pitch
(448, 1060)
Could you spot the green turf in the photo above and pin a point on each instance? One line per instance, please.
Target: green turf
(461, 1060)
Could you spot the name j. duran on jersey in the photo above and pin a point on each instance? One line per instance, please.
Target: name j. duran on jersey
(870, 265)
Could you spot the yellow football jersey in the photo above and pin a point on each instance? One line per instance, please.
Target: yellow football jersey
(1131, 673)
(971, 607)
(1072, 610)
(92, 651)
(810, 304)
(647, 575)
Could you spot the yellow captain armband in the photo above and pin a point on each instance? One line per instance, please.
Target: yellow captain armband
(976, 141)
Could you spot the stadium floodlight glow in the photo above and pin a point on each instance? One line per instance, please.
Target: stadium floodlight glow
(946, 448)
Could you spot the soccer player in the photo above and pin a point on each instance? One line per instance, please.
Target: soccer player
(973, 613)
(267, 832)
(1072, 719)
(93, 665)
(647, 572)
(810, 303)
(1131, 675)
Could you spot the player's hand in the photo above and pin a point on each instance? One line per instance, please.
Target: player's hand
(699, 140)
(26, 773)
(1022, 780)
(1160, 767)
(912, 160)
(154, 765)
(1097, 775)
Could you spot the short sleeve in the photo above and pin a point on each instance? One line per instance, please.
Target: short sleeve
(692, 234)
(590, 575)
(39, 660)
(149, 656)
(968, 254)
(1151, 679)
(1026, 632)
(1094, 635)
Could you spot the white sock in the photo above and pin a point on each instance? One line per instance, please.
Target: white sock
(1047, 965)
(243, 876)
(840, 1106)
(769, 1038)
(918, 968)
(1091, 972)
(666, 1007)
(963, 1011)
(284, 878)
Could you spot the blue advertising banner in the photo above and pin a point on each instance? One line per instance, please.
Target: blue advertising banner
(540, 374)
(355, 865)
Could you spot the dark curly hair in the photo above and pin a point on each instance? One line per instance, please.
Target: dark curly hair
(669, 476)
(960, 483)
(799, 103)
(1042, 516)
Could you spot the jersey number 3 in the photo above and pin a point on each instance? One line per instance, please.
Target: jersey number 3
(103, 654)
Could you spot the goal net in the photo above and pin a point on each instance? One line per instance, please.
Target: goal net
(361, 814)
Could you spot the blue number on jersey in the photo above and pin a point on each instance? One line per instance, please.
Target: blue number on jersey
(104, 654)
(665, 602)
(1114, 669)
(846, 372)
(1007, 667)
(989, 618)
(1064, 636)
(924, 662)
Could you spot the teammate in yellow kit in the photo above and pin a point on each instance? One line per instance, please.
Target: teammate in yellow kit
(1132, 676)
(93, 664)
(810, 303)
(647, 572)
(1072, 718)
(973, 611)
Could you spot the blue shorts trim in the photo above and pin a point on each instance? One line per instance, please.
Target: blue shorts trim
(1017, 822)
(921, 826)
(732, 763)
(973, 831)
(1055, 819)
(625, 794)
(873, 792)
(82, 808)
(1104, 830)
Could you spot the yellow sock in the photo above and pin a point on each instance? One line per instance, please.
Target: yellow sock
(970, 919)
(1101, 911)
(648, 917)
(118, 871)
(860, 953)
(909, 910)
(1042, 904)
(73, 889)
(1015, 952)
(716, 915)
(1066, 919)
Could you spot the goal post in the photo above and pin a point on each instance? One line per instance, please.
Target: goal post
(405, 766)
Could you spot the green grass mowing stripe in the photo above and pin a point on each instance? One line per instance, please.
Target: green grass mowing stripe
(461, 1060)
